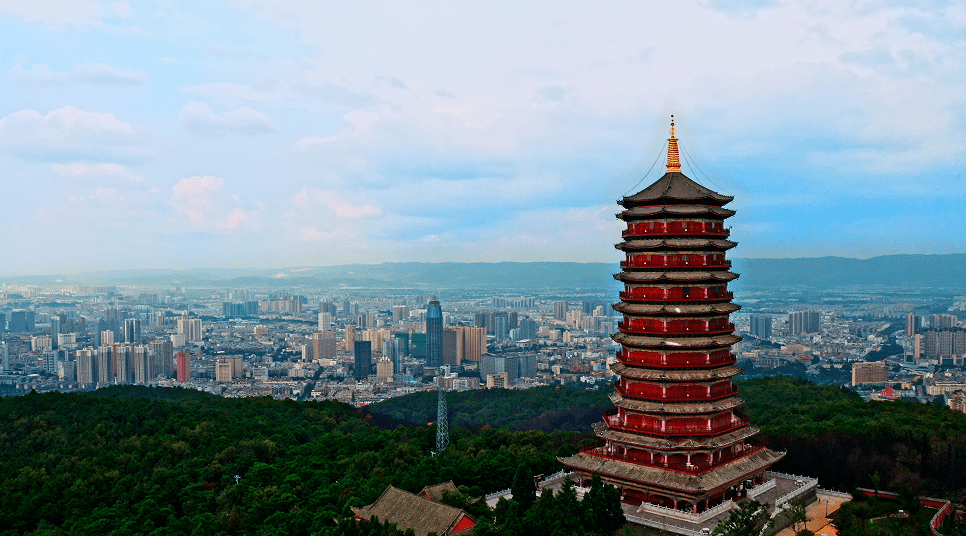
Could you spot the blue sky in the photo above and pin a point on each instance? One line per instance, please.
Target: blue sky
(282, 133)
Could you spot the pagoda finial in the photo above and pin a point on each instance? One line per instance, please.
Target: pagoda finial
(673, 157)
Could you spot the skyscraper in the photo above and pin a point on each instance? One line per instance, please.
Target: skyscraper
(804, 322)
(184, 367)
(363, 359)
(132, 330)
(434, 333)
(913, 325)
(560, 309)
(760, 326)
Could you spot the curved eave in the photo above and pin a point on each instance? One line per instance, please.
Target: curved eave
(724, 475)
(649, 212)
(671, 276)
(679, 408)
(676, 309)
(690, 243)
(675, 187)
(602, 431)
(672, 375)
(641, 341)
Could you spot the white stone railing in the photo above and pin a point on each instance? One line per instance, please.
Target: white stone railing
(761, 488)
(687, 516)
(559, 475)
(811, 483)
(663, 526)
(497, 494)
(840, 494)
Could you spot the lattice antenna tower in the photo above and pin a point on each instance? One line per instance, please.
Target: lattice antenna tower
(442, 423)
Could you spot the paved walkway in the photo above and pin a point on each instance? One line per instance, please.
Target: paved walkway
(817, 513)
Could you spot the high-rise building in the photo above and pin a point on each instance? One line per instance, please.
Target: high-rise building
(325, 321)
(104, 364)
(123, 363)
(107, 338)
(804, 322)
(470, 343)
(913, 325)
(399, 313)
(324, 344)
(132, 330)
(22, 321)
(144, 370)
(191, 328)
(86, 373)
(760, 326)
(4, 356)
(450, 336)
(560, 309)
(162, 355)
(676, 437)
(363, 359)
(184, 367)
(434, 333)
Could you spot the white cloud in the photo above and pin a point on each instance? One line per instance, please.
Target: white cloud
(198, 118)
(71, 134)
(89, 73)
(207, 207)
(334, 203)
(230, 91)
(100, 172)
(61, 14)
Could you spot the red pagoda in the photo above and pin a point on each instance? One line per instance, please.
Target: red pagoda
(676, 437)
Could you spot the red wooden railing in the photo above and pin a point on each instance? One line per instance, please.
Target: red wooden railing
(676, 261)
(678, 426)
(677, 294)
(676, 327)
(676, 393)
(675, 360)
(677, 228)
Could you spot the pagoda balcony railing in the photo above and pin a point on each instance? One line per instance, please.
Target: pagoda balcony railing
(678, 462)
(660, 261)
(658, 328)
(678, 360)
(676, 294)
(696, 427)
(692, 393)
(692, 228)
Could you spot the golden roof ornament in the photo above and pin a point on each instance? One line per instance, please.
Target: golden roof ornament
(673, 157)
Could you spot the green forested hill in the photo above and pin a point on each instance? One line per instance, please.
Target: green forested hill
(828, 432)
(541, 408)
(133, 460)
(832, 434)
(82, 464)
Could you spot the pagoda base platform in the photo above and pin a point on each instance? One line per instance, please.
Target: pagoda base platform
(778, 488)
(646, 483)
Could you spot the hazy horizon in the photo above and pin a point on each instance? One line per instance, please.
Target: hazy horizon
(280, 134)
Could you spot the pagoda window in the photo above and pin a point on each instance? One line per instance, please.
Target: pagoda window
(685, 290)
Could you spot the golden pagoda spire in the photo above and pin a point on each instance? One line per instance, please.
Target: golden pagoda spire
(673, 157)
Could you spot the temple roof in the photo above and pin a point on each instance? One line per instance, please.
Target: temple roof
(652, 211)
(718, 441)
(721, 476)
(689, 408)
(643, 341)
(675, 186)
(669, 275)
(435, 492)
(690, 243)
(676, 375)
(410, 511)
(676, 309)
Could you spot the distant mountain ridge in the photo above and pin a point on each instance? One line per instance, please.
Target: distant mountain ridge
(944, 270)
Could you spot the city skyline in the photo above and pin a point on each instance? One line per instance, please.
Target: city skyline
(266, 135)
